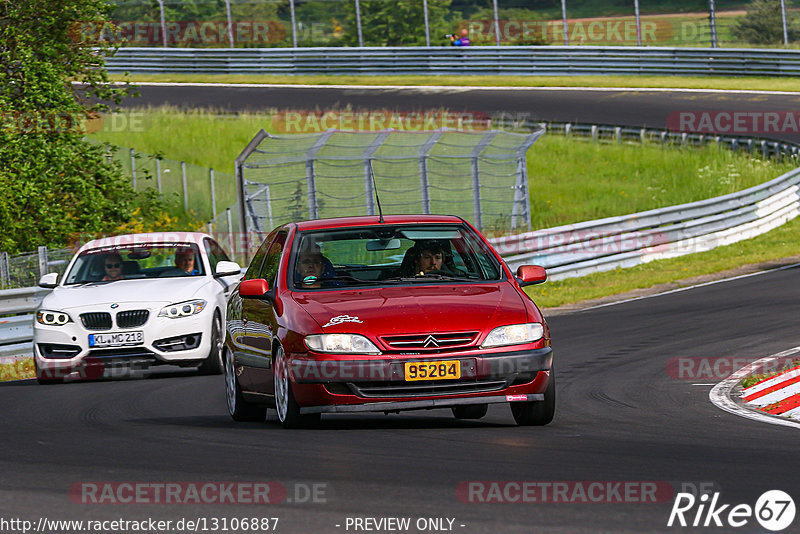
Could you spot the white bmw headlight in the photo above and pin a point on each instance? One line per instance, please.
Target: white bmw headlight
(52, 318)
(515, 334)
(183, 309)
(341, 343)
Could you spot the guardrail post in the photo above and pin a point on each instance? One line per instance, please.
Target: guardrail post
(5, 272)
(567, 129)
(684, 139)
(643, 135)
(158, 175)
(185, 190)
(133, 168)
(42, 261)
(594, 133)
(213, 194)
(230, 229)
(664, 138)
(764, 149)
(618, 134)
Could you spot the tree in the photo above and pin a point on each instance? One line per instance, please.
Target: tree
(55, 184)
(398, 23)
(763, 24)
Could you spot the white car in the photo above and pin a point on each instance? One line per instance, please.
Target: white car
(132, 301)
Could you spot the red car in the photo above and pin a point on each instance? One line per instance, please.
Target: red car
(385, 314)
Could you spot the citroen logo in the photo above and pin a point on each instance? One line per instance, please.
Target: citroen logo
(430, 341)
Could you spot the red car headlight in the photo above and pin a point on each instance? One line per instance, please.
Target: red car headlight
(341, 344)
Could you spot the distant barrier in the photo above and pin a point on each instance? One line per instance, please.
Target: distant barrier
(475, 60)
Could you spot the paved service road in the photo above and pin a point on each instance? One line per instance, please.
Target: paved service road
(621, 416)
(631, 107)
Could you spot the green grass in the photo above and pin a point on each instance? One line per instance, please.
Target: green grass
(572, 180)
(669, 82)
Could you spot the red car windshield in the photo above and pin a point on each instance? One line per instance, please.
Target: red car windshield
(391, 255)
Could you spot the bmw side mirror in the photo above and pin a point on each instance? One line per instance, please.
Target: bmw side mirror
(227, 268)
(528, 275)
(253, 289)
(49, 281)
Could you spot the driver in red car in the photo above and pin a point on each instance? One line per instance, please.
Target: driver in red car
(423, 258)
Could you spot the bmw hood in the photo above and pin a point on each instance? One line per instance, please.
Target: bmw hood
(415, 310)
(142, 292)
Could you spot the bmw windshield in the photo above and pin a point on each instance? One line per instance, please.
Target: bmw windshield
(131, 262)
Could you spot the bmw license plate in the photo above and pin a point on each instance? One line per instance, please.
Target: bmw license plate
(439, 370)
(116, 339)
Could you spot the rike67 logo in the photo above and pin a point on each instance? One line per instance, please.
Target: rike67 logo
(774, 510)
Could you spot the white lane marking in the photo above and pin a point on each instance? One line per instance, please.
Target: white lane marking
(687, 288)
(704, 384)
(443, 88)
(720, 394)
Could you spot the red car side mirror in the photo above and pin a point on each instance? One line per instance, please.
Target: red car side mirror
(528, 275)
(253, 289)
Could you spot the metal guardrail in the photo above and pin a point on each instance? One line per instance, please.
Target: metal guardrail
(625, 241)
(16, 331)
(513, 60)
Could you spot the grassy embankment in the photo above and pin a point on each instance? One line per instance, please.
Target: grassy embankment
(572, 180)
(667, 82)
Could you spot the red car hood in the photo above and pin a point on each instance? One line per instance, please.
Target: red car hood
(412, 310)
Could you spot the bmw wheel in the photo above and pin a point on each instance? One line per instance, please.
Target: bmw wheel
(239, 409)
(213, 364)
(288, 410)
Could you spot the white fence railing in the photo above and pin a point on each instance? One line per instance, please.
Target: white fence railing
(513, 60)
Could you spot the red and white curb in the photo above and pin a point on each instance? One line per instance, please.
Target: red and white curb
(767, 393)
(777, 395)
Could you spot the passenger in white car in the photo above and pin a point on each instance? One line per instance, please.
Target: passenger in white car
(112, 263)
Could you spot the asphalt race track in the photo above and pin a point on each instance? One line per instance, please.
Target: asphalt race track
(631, 107)
(621, 416)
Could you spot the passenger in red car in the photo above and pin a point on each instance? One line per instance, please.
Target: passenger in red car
(310, 267)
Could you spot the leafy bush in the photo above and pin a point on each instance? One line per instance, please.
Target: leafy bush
(763, 24)
(55, 184)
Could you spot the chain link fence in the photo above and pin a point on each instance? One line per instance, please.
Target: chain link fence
(297, 23)
(479, 175)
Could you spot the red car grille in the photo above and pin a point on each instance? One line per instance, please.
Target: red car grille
(425, 389)
(430, 342)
